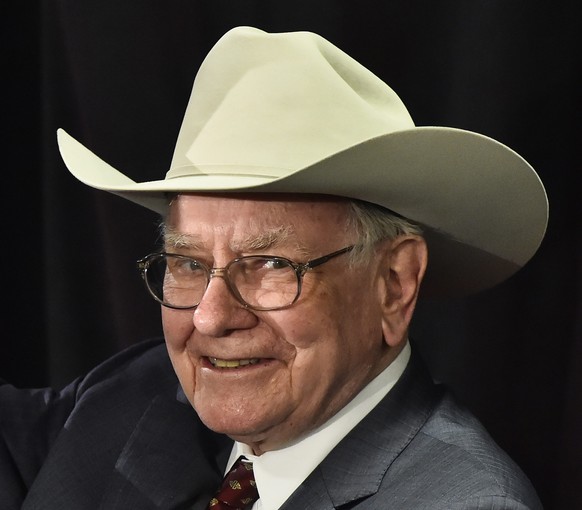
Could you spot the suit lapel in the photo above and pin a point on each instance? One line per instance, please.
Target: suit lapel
(357, 465)
(312, 494)
(170, 461)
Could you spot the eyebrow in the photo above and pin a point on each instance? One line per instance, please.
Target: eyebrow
(178, 240)
(266, 239)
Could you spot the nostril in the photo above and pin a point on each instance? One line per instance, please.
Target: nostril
(220, 312)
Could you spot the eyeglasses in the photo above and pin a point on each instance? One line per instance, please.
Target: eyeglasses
(258, 282)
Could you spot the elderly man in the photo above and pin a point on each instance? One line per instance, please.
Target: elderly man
(299, 211)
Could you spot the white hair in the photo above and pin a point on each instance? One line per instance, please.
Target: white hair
(373, 223)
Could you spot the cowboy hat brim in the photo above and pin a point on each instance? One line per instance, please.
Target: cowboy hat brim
(483, 207)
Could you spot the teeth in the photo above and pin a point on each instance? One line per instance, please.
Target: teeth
(232, 363)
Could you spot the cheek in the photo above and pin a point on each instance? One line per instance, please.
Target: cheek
(318, 337)
(178, 327)
(337, 335)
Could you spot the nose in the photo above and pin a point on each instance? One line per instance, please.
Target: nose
(219, 312)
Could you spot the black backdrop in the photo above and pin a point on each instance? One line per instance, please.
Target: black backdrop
(117, 75)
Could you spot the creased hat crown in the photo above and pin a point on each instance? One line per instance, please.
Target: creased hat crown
(267, 104)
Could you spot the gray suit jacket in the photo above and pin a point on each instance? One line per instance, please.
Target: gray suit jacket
(124, 437)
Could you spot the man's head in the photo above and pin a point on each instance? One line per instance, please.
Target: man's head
(303, 363)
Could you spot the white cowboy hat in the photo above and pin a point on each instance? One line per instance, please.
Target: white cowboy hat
(292, 113)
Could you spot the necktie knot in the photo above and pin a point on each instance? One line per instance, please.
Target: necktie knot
(238, 490)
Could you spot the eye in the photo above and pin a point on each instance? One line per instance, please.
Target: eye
(260, 265)
(191, 265)
(276, 264)
(184, 265)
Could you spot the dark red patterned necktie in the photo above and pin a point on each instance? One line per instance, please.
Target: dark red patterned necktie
(238, 490)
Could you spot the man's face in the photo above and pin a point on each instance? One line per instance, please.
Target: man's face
(313, 357)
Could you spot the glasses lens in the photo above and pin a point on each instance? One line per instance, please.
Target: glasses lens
(177, 281)
(265, 282)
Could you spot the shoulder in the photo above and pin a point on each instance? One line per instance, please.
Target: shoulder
(46, 409)
(114, 396)
(424, 450)
(33, 420)
(137, 364)
(452, 460)
(134, 362)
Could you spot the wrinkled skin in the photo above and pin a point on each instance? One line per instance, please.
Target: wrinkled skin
(349, 323)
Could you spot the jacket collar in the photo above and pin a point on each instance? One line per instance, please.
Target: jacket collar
(356, 467)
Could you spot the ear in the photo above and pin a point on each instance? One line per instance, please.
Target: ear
(404, 264)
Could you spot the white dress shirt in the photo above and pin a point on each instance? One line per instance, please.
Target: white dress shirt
(278, 473)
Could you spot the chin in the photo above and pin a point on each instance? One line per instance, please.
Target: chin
(238, 425)
(237, 429)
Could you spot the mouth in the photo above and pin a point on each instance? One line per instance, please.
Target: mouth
(232, 363)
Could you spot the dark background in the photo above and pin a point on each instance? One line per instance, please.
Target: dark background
(117, 75)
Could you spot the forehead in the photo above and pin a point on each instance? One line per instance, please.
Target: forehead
(240, 216)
